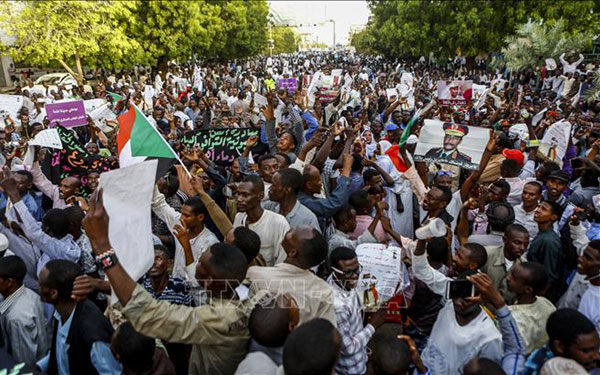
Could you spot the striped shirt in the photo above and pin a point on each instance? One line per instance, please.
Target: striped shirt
(177, 290)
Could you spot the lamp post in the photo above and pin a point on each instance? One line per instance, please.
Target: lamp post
(333, 21)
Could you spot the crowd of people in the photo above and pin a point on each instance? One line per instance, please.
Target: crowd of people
(257, 263)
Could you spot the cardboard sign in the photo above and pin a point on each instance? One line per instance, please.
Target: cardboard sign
(289, 84)
(455, 92)
(67, 114)
(221, 145)
(260, 101)
(449, 143)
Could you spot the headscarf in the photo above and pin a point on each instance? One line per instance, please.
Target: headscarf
(371, 147)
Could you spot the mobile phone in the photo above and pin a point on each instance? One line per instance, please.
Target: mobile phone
(460, 289)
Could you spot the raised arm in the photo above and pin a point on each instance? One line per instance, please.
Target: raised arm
(485, 158)
(216, 213)
(51, 246)
(164, 212)
(42, 182)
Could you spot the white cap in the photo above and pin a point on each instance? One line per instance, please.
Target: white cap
(3, 242)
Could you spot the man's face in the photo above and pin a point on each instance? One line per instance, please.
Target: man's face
(277, 191)
(268, 168)
(348, 277)
(515, 244)
(158, 114)
(443, 180)
(516, 280)
(313, 180)
(247, 197)
(584, 350)
(555, 187)
(374, 180)
(588, 263)
(454, 92)
(235, 169)
(451, 142)
(189, 217)
(93, 180)
(23, 184)
(285, 143)
(47, 294)
(462, 261)
(531, 196)
(433, 200)
(350, 224)
(464, 307)
(68, 187)
(161, 264)
(495, 194)
(5, 284)
(543, 213)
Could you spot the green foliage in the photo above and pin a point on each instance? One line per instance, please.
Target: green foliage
(245, 30)
(535, 42)
(285, 40)
(116, 34)
(410, 28)
(363, 42)
(67, 31)
(174, 30)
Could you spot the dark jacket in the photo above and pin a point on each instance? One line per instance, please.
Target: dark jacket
(87, 327)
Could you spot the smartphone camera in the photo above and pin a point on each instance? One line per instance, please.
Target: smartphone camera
(461, 288)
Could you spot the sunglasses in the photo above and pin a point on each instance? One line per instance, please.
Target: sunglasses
(444, 173)
(349, 273)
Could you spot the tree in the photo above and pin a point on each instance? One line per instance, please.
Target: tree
(247, 35)
(534, 42)
(285, 40)
(409, 28)
(174, 30)
(68, 32)
(363, 42)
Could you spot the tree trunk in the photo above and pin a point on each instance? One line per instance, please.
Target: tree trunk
(162, 66)
(68, 69)
(79, 69)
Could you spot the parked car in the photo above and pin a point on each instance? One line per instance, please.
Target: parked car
(53, 80)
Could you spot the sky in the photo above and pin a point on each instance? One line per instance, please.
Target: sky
(346, 14)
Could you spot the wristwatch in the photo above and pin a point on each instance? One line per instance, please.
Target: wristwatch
(107, 259)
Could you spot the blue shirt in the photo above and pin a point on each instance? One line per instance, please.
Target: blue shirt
(32, 205)
(100, 354)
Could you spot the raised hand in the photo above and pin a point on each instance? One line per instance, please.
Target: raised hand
(181, 232)
(83, 286)
(487, 290)
(196, 183)
(190, 154)
(251, 141)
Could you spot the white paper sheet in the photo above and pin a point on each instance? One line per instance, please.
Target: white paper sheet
(127, 198)
(47, 138)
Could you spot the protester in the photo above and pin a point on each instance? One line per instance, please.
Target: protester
(306, 219)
